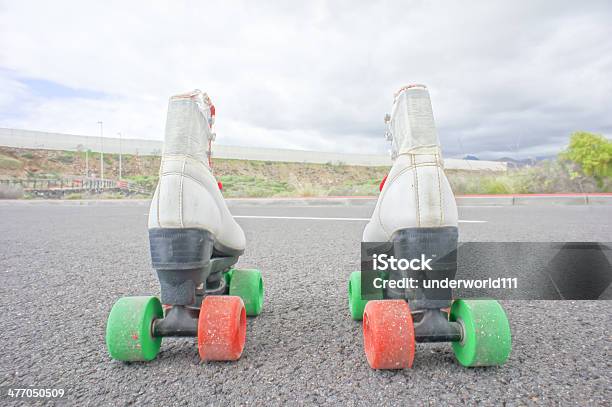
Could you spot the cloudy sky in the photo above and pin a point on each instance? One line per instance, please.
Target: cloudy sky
(506, 78)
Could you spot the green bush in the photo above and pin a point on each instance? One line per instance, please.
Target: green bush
(592, 154)
(498, 186)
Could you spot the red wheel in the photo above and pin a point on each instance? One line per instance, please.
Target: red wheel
(388, 334)
(221, 328)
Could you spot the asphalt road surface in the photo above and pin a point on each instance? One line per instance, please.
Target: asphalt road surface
(62, 266)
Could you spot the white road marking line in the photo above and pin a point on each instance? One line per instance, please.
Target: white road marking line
(296, 218)
(320, 218)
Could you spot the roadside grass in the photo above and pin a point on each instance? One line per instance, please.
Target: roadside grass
(250, 186)
(147, 182)
(65, 157)
(243, 178)
(549, 176)
(367, 187)
(9, 163)
(104, 195)
(110, 195)
(73, 196)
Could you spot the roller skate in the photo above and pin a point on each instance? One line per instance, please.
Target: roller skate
(416, 217)
(195, 243)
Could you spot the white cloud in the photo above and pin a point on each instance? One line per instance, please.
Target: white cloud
(316, 75)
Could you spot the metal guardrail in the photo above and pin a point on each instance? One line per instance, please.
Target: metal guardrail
(42, 186)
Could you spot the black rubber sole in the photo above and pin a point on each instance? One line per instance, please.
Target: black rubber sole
(439, 244)
(189, 266)
(180, 258)
(180, 249)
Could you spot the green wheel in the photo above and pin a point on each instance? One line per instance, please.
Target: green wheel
(357, 302)
(248, 285)
(487, 340)
(128, 329)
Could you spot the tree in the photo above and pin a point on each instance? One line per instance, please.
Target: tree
(592, 153)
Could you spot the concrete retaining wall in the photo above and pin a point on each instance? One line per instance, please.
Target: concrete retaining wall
(535, 199)
(71, 142)
(57, 141)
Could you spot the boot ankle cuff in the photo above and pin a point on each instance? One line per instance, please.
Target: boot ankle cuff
(426, 149)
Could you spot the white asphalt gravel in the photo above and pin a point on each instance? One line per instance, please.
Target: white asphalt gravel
(63, 266)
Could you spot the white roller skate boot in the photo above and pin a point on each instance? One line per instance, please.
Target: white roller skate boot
(417, 213)
(194, 242)
(187, 200)
(416, 208)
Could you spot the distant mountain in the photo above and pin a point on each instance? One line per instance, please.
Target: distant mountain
(514, 162)
(546, 157)
(525, 161)
(517, 163)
